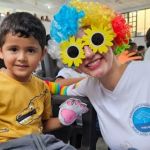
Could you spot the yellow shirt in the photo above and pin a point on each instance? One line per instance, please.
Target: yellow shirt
(23, 106)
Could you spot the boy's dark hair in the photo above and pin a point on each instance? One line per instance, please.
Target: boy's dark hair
(23, 24)
(147, 36)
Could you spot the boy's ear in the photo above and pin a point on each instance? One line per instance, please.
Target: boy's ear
(43, 53)
(1, 55)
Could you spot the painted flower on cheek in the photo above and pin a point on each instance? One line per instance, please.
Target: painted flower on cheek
(72, 52)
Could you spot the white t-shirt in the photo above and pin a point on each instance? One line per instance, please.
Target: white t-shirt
(124, 113)
(147, 54)
(70, 73)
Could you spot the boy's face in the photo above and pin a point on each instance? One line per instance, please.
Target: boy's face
(21, 56)
(96, 64)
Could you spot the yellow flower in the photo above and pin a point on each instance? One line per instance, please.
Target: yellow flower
(99, 38)
(72, 52)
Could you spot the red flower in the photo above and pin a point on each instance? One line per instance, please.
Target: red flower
(121, 29)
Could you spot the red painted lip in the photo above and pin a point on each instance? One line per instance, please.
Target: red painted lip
(95, 63)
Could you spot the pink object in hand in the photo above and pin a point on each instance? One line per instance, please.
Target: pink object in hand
(70, 110)
(68, 115)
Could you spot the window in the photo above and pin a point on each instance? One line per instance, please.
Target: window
(139, 20)
(132, 21)
(147, 20)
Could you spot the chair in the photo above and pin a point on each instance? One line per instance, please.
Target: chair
(81, 137)
(2, 63)
(49, 66)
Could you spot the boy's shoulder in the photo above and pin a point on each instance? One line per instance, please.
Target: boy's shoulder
(38, 82)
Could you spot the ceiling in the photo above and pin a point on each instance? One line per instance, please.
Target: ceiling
(49, 7)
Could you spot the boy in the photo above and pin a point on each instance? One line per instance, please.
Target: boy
(88, 32)
(25, 106)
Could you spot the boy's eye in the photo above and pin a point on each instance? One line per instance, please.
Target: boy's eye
(14, 49)
(31, 50)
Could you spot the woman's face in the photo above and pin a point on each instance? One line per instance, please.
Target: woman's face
(96, 64)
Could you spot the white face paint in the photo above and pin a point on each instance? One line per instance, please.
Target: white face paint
(95, 64)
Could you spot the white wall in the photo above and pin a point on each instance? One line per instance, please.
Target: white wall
(45, 23)
(139, 41)
(47, 26)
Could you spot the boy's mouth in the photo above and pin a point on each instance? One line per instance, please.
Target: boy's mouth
(22, 66)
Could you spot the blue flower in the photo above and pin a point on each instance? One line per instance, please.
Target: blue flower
(65, 23)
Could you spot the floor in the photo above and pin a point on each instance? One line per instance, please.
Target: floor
(101, 145)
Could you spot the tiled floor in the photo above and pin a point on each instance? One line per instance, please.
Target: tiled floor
(101, 145)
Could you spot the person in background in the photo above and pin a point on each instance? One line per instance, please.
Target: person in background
(67, 76)
(7, 13)
(130, 54)
(121, 99)
(35, 15)
(141, 51)
(147, 39)
(47, 18)
(42, 18)
(132, 47)
(26, 111)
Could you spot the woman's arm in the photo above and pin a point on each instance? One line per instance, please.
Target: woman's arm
(66, 82)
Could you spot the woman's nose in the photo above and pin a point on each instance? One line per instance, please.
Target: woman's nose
(88, 52)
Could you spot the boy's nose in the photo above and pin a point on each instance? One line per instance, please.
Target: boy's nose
(88, 52)
(22, 56)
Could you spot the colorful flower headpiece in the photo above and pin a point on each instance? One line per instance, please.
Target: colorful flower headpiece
(103, 27)
(65, 23)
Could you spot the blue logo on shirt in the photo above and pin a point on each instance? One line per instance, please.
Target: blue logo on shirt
(141, 119)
